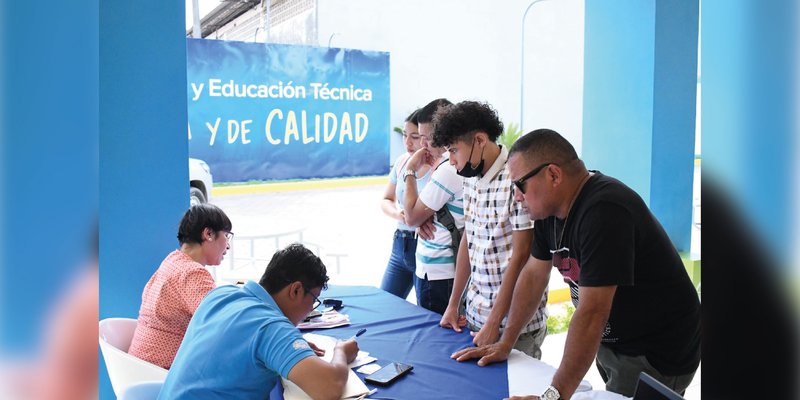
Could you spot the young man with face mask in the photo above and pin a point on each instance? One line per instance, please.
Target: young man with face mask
(498, 231)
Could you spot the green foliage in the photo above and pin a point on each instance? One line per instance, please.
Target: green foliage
(398, 130)
(510, 135)
(560, 323)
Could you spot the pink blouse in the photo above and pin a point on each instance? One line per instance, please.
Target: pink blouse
(169, 300)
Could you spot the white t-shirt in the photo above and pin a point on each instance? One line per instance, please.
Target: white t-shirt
(396, 179)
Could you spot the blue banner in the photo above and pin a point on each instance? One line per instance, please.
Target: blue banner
(273, 112)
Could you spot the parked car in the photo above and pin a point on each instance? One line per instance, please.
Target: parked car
(200, 181)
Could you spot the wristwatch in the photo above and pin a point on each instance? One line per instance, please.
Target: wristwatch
(409, 172)
(551, 393)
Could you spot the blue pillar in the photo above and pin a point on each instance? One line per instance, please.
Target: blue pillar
(750, 57)
(48, 163)
(640, 76)
(143, 148)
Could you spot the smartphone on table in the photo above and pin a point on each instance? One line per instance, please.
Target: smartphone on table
(388, 373)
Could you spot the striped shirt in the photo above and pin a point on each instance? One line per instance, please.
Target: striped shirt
(491, 217)
(435, 258)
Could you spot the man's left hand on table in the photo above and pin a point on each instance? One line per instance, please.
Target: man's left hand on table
(487, 354)
(487, 335)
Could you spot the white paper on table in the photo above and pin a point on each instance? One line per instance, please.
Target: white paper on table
(527, 375)
(327, 343)
(369, 369)
(354, 388)
(362, 360)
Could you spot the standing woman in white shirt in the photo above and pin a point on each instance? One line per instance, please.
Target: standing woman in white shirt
(398, 279)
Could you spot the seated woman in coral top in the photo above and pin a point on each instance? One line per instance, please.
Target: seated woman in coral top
(175, 290)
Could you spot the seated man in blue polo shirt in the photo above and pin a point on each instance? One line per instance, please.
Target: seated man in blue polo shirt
(241, 339)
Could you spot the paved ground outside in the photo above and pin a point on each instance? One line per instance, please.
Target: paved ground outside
(344, 226)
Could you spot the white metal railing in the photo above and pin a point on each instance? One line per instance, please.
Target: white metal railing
(248, 256)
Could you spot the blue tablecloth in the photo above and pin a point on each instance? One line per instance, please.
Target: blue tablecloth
(400, 331)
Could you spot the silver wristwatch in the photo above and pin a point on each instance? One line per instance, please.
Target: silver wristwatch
(551, 393)
(409, 172)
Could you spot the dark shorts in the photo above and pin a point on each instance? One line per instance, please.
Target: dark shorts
(621, 372)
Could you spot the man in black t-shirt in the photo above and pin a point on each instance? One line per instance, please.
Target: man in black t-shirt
(636, 308)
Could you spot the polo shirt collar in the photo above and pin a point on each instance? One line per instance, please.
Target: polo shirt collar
(444, 159)
(258, 291)
(497, 166)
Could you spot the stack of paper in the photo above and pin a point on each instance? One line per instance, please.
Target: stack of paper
(328, 319)
(355, 388)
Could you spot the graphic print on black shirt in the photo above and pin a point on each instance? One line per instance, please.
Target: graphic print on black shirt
(565, 263)
(570, 270)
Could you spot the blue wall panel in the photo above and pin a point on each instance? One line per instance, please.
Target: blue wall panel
(618, 90)
(674, 109)
(143, 148)
(750, 68)
(48, 163)
(639, 102)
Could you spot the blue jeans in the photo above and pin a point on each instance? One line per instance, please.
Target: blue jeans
(399, 276)
(433, 295)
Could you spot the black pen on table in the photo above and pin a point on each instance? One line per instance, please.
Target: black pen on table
(359, 333)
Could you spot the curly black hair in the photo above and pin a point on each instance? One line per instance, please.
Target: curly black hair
(464, 119)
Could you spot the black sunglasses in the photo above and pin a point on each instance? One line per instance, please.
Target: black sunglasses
(520, 183)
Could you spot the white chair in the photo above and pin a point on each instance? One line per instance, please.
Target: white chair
(142, 391)
(124, 369)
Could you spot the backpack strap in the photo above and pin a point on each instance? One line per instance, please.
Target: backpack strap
(445, 217)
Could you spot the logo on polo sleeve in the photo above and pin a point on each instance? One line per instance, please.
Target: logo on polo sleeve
(300, 344)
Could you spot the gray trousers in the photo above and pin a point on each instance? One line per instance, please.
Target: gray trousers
(621, 373)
